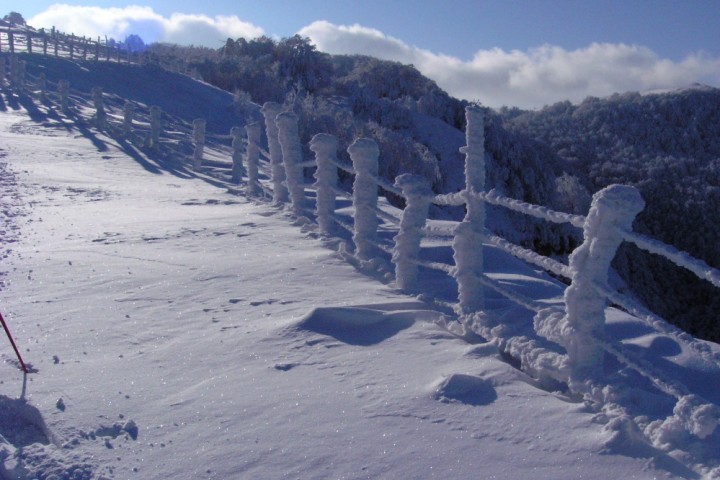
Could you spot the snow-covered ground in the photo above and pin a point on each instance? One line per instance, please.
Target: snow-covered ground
(177, 330)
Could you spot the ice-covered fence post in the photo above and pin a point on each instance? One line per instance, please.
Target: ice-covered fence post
(238, 148)
(253, 157)
(325, 148)
(64, 91)
(418, 196)
(270, 111)
(128, 115)
(467, 243)
(2, 70)
(97, 96)
(364, 154)
(14, 72)
(21, 65)
(42, 81)
(287, 123)
(155, 126)
(613, 208)
(199, 139)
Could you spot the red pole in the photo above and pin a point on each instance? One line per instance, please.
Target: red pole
(17, 352)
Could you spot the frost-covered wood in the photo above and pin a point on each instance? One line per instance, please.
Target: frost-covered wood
(325, 148)
(612, 207)
(467, 242)
(364, 154)
(128, 116)
(199, 140)
(64, 91)
(270, 111)
(418, 196)
(289, 138)
(238, 148)
(155, 126)
(253, 157)
(97, 96)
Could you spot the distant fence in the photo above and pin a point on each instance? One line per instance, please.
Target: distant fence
(23, 39)
(577, 327)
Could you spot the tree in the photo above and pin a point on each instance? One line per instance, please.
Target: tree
(15, 18)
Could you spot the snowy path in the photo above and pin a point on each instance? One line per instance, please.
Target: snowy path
(179, 331)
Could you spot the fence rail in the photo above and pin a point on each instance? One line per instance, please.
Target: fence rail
(23, 39)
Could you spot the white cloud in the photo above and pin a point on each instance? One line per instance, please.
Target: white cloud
(152, 27)
(540, 76)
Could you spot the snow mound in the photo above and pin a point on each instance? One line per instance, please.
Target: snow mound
(356, 326)
(467, 389)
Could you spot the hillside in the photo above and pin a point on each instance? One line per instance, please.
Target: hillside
(178, 329)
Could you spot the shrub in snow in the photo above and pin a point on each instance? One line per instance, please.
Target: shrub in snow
(418, 194)
(287, 123)
(467, 243)
(270, 111)
(613, 208)
(364, 153)
(199, 139)
(252, 158)
(155, 126)
(325, 148)
(238, 147)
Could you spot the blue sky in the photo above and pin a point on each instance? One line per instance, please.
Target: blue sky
(525, 53)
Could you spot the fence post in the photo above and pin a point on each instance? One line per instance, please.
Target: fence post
(199, 139)
(155, 127)
(72, 41)
(128, 115)
(613, 208)
(28, 36)
(325, 148)
(97, 95)
(287, 123)
(64, 91)
(42, 80)
(11, 42)
(418, 195)
(238, 147)
(467, 243)
(2, 70)
(364, 153)
(253, 157)
(270, 111)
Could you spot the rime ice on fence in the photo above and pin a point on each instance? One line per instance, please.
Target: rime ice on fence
(289, 138)
(418, 194)
(325, 148)
(128, 115)
(364, 153)
(64, 91)
(155, 126)
(467, 244)
(253, 157)
(199, 139)
(238, 148)
(97, 96)
(270, 111)
(613, 206)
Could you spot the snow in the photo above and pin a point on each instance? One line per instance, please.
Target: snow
(270, 111)
(177, 329)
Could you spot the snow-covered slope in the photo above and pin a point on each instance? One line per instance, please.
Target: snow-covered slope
(178, 330)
